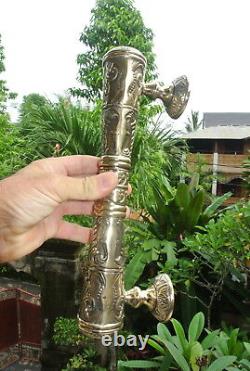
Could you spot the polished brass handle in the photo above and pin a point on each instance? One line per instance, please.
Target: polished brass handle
(103, 295)
(159, 298)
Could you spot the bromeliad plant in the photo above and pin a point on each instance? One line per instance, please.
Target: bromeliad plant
(178, 214)
(197, 350)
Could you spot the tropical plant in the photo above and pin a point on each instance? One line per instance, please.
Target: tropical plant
(156, 156)
(113, 23)
(5, 93)
(230, 344)
(62, 128)
(26, 107)
(178, 214)
(196, 351)
(15, 151)
(194, 122)
(175, 214)
(221, 250)
(224, 242)
(198, 165)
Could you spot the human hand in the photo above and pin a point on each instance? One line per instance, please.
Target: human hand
(34, 200)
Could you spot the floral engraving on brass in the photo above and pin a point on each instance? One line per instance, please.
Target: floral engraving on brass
(92, 295)
(136, 84)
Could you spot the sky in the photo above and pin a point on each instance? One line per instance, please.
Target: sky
(207, 40)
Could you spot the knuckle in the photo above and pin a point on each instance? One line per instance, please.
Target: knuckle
(40, 164)
(37, 163)
(88, 185)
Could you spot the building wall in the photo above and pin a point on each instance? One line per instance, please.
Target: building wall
(222, 163)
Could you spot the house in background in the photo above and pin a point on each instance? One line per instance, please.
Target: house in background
(223, 145)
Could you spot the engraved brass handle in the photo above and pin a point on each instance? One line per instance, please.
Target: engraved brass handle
(174, 97)
(159, 298)
(103, 295)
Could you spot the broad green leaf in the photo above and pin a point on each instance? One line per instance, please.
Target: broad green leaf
(164, 332)
(247, 346)
(222, 347)
(139, 364)
(166, 362)
(182, 197)
(195, 209)
(154, 344)
(232, 341)
(154, 254)
(178, 357)
(221, 363)
(180, 333)
(195, 353)
(210, 340)
(194, 182)
(169, 249)
(196, 327)
(177, 343)
(134, 269)
(153, 243)
(210, 210)
(245, 363)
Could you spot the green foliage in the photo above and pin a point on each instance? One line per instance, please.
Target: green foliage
(13, 148)
(230, 344)
(5, 94)
(176, 213)
(150, 251)
(206, 176)
(195, 350)
(156, 158)
(194, 122)
(113, 23)
(156, 152)
(81, 362)
(224, 244)
(220, 252)
(4, 268)
(29, 102)
(74, 129)
(15, 151)
(66, 332)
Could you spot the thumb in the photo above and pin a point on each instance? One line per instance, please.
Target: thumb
(87, 188)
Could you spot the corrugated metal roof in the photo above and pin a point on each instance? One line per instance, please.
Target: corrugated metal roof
(220, 132)
(226, 118)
